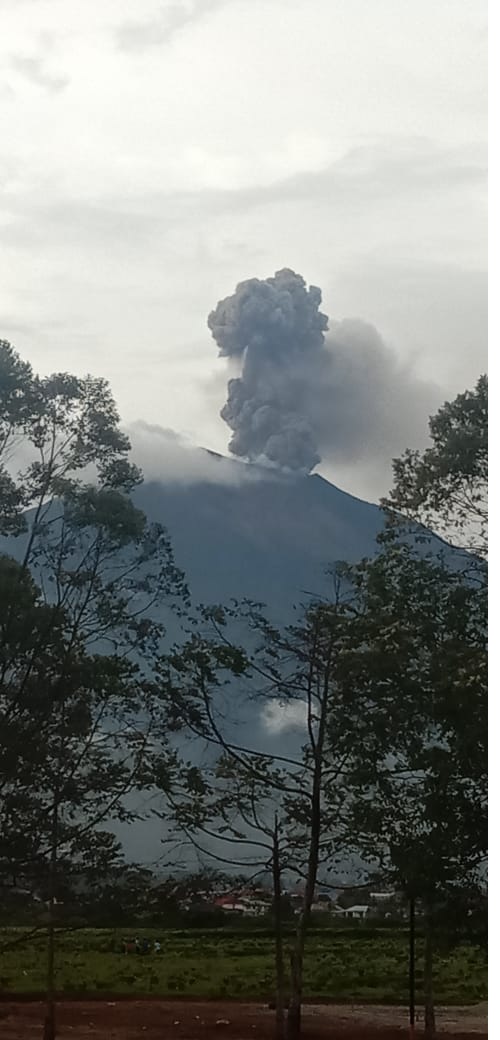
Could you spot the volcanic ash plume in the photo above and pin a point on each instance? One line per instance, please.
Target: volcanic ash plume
(275, 332)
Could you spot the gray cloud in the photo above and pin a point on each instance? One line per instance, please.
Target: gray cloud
(381, 170)
(369, 408)
(164, 455)
(275, 330)
(437, 311)
(373, 406)
(33, 69)
(163, 183)
(299, 397)
(366, 176)
(137, 36)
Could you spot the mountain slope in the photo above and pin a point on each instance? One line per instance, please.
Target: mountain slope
(245, 531)
(268, 536)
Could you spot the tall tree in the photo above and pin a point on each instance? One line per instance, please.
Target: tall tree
(79, 637)
(210, 682)
(227, 810)
(68, 481)
(96, 561)
(444, 488)
(417, 662)
(417, 666)
(71, 748)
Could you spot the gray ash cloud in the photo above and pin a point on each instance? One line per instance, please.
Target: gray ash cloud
(305, 392)
(274, 330)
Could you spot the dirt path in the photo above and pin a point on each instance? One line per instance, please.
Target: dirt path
(164, 1020)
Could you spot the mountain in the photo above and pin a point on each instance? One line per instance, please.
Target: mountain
(241, 531)
(250, 531)
(259, 533)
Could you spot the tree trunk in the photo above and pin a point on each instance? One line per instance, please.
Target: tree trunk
(430, 1021)
(279, 1030)
(297, 956)
(293, 1024)
(411, 969)
(49, 1028)
(293, 1029)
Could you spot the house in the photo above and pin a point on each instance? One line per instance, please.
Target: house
(337, 911)
(242, 904)
(319, 907)
(358, 912)
(230, 904)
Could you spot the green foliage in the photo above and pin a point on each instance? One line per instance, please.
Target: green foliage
(445, 487)
(417, 667)
(64, 714)
(340, 964)
(79, 630)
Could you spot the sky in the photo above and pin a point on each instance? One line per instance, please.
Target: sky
(156, 154)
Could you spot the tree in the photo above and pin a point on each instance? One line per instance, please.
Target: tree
(81, 622)
(71, 749)
(444, 488)
(101, 572)
(120, 896)
(228, 811)
(417, 666)
(282, 809)
(89, 548)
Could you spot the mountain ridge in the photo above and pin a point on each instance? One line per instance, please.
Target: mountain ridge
(268, 536)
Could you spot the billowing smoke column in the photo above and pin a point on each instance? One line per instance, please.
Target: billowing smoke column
(275, 331)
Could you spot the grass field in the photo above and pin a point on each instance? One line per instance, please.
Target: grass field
(340, 965)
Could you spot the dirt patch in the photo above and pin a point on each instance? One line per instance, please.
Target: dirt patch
(164, 1020)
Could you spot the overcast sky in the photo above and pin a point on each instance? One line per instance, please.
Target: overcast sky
(155, 154)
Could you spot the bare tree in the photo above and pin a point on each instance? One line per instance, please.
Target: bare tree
(234, 796)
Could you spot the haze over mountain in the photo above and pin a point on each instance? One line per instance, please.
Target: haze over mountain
(242, 530)
(261, 525)
(258, 532)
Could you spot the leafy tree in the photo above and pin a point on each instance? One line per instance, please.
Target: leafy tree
(17, 411)
(417, 662)
(417, 666)
(444, 488)
(80, 623)
(92, 552)
(280, 810)
(122, 895)
(101, 573)
(73, 733)
(228, 812)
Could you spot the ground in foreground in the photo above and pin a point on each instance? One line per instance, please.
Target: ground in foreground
(162, 1020)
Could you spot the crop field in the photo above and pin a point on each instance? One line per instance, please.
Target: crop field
(340, 965)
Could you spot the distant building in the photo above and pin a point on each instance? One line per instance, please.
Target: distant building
(251, 905)
(319, 907)
(359, 911)
(232, 905)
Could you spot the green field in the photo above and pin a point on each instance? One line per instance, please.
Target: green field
(342, 965)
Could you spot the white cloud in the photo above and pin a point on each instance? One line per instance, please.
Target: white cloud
(165, 456)
(159, 152)
(282, 716)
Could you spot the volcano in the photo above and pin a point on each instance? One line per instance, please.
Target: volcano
(260, 533)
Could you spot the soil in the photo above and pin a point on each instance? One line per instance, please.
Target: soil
(164, 1020)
